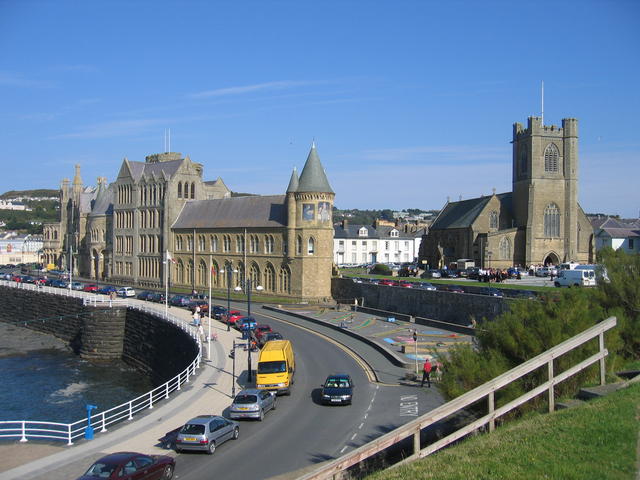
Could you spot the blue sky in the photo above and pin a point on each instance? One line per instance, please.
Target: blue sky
(409, 102)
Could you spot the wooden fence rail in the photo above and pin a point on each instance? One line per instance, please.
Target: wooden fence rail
(336, 468)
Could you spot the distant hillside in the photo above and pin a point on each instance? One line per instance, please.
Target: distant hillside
(40, 193)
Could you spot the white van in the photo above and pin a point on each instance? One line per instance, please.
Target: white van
(576, 278)
(568, 266)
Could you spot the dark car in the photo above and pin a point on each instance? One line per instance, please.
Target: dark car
(261, 330)
(144, 295)
(451, 288)
(203, 304)
(526, 294)
(179, 301)
(59, 283)
(130, 466)
(268, 337)
(206, 433)
(218, 311)
(337, 390)
(156, 297)
(492, 292)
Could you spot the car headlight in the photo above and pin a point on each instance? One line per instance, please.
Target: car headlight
(326, 396)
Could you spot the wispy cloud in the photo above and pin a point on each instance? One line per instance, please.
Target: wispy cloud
(240, 90)
(17, 80)
(118, 128)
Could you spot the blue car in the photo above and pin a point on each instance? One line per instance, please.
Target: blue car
(180, 301)
(107, 290)
(246, 323)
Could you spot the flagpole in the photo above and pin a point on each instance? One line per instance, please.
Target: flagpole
(166, 285)
(209, 329)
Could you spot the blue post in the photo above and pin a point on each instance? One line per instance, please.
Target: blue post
(88, 432)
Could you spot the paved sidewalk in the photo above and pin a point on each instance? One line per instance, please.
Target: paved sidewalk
(209, 392)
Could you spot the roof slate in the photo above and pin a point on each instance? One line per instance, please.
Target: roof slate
(462, 214)
(313, 178)
(234, 212)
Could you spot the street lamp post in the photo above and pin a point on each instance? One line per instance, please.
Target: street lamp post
(248, 286)
(229, 271)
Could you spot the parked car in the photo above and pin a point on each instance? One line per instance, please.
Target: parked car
(252, 403)
(425, 286)
(28, 279)
(59, 283)
(107, 290)
(90, 287)
(77, 286)
(234, 316)
(268, 337)
(179, 301)
(526, 294)
(203, 304)
(146, 295)
(245, 323)
(386, 281)
(433, 273)
(218, 311)
(126, 292)
(156, 297)
(130, 466)
(337, 390)
(206, 432)
(543, 272)
(405, 284)
(448, 273)
(261, 330)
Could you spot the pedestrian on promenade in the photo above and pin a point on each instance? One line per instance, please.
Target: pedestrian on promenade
(426, 373)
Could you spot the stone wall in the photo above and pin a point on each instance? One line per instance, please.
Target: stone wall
(443, 306)
(154, 347)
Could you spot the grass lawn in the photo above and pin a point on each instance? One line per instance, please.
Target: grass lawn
(598, 440)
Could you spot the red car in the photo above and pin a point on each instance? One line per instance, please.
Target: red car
(405, 284)
(91, 287)
(386, 282)
(130, 466)
(261, 330)
(234, 315)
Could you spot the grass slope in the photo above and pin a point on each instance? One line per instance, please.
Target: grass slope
(598, 440)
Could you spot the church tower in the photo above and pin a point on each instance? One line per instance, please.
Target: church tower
(310, 228)
(545, 190)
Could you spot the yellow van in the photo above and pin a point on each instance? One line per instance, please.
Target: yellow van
(276, 366)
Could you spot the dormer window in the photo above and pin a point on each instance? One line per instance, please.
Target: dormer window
(394, 233)
(363, 232)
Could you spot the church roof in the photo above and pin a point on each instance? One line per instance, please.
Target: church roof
(462, 214)
(103, 204)
(313, 178)
(138, 169)
(293, 182)
(235, 212)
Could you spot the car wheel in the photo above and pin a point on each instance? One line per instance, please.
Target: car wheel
(168, 472)
(275, 403)
(236, 433)
(178, 450)
(556, 284)
(261, 415)
(212, 447)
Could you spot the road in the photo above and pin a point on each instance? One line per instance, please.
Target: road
(301, 432)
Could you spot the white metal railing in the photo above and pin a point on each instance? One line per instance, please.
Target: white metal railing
(335, 468)
(26, 429)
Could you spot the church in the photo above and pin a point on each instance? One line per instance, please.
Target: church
(538, 222)
(161, 208)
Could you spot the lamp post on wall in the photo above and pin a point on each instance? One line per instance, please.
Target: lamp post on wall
(248, 285)
(229, 271)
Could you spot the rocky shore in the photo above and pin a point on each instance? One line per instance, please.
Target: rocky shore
(16, 340)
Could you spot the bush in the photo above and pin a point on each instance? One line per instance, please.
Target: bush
(381, 269)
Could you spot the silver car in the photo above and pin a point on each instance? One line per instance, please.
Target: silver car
(252, 403)
(206, 432)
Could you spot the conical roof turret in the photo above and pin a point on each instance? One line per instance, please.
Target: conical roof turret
(313, 178)
(293, 183)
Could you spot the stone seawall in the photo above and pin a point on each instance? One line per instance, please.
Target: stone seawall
(158, 349)
(437, 305)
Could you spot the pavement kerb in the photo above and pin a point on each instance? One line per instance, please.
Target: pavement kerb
(209, 392)
(391, 356)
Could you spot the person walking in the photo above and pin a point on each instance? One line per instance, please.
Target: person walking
(426, 373)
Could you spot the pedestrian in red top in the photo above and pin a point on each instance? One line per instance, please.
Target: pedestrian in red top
(426, 373)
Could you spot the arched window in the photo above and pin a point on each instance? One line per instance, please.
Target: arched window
(240, 243)
(505, 249)
(179, 189)
(201, 243)
(299, 245)
(269, 278)
(186, 189)
(193, 190)
(179, 272)
(241, 273)
(254, 276)
(311, 246)
(268, 244)
(493, 219)
(202, 274)
(190, 272)
(215, 275)
(214, 243)
(552, 221)
(551, 159)
(226, 243)
(285, 279)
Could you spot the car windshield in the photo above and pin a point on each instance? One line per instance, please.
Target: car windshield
(272, 367)
(192, 429)
(246, 399)
(337, 383)
(101, 470)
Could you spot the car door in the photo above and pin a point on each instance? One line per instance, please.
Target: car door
(225, 429)
(267, 400)
(147, 468)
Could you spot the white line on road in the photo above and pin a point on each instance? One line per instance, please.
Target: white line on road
(343, 449)
(366, 415)
(361, 425)
(354, 436)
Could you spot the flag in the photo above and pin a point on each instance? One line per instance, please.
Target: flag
(213, 270)
(170, 258)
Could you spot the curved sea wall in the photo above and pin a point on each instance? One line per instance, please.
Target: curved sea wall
(156, 348)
